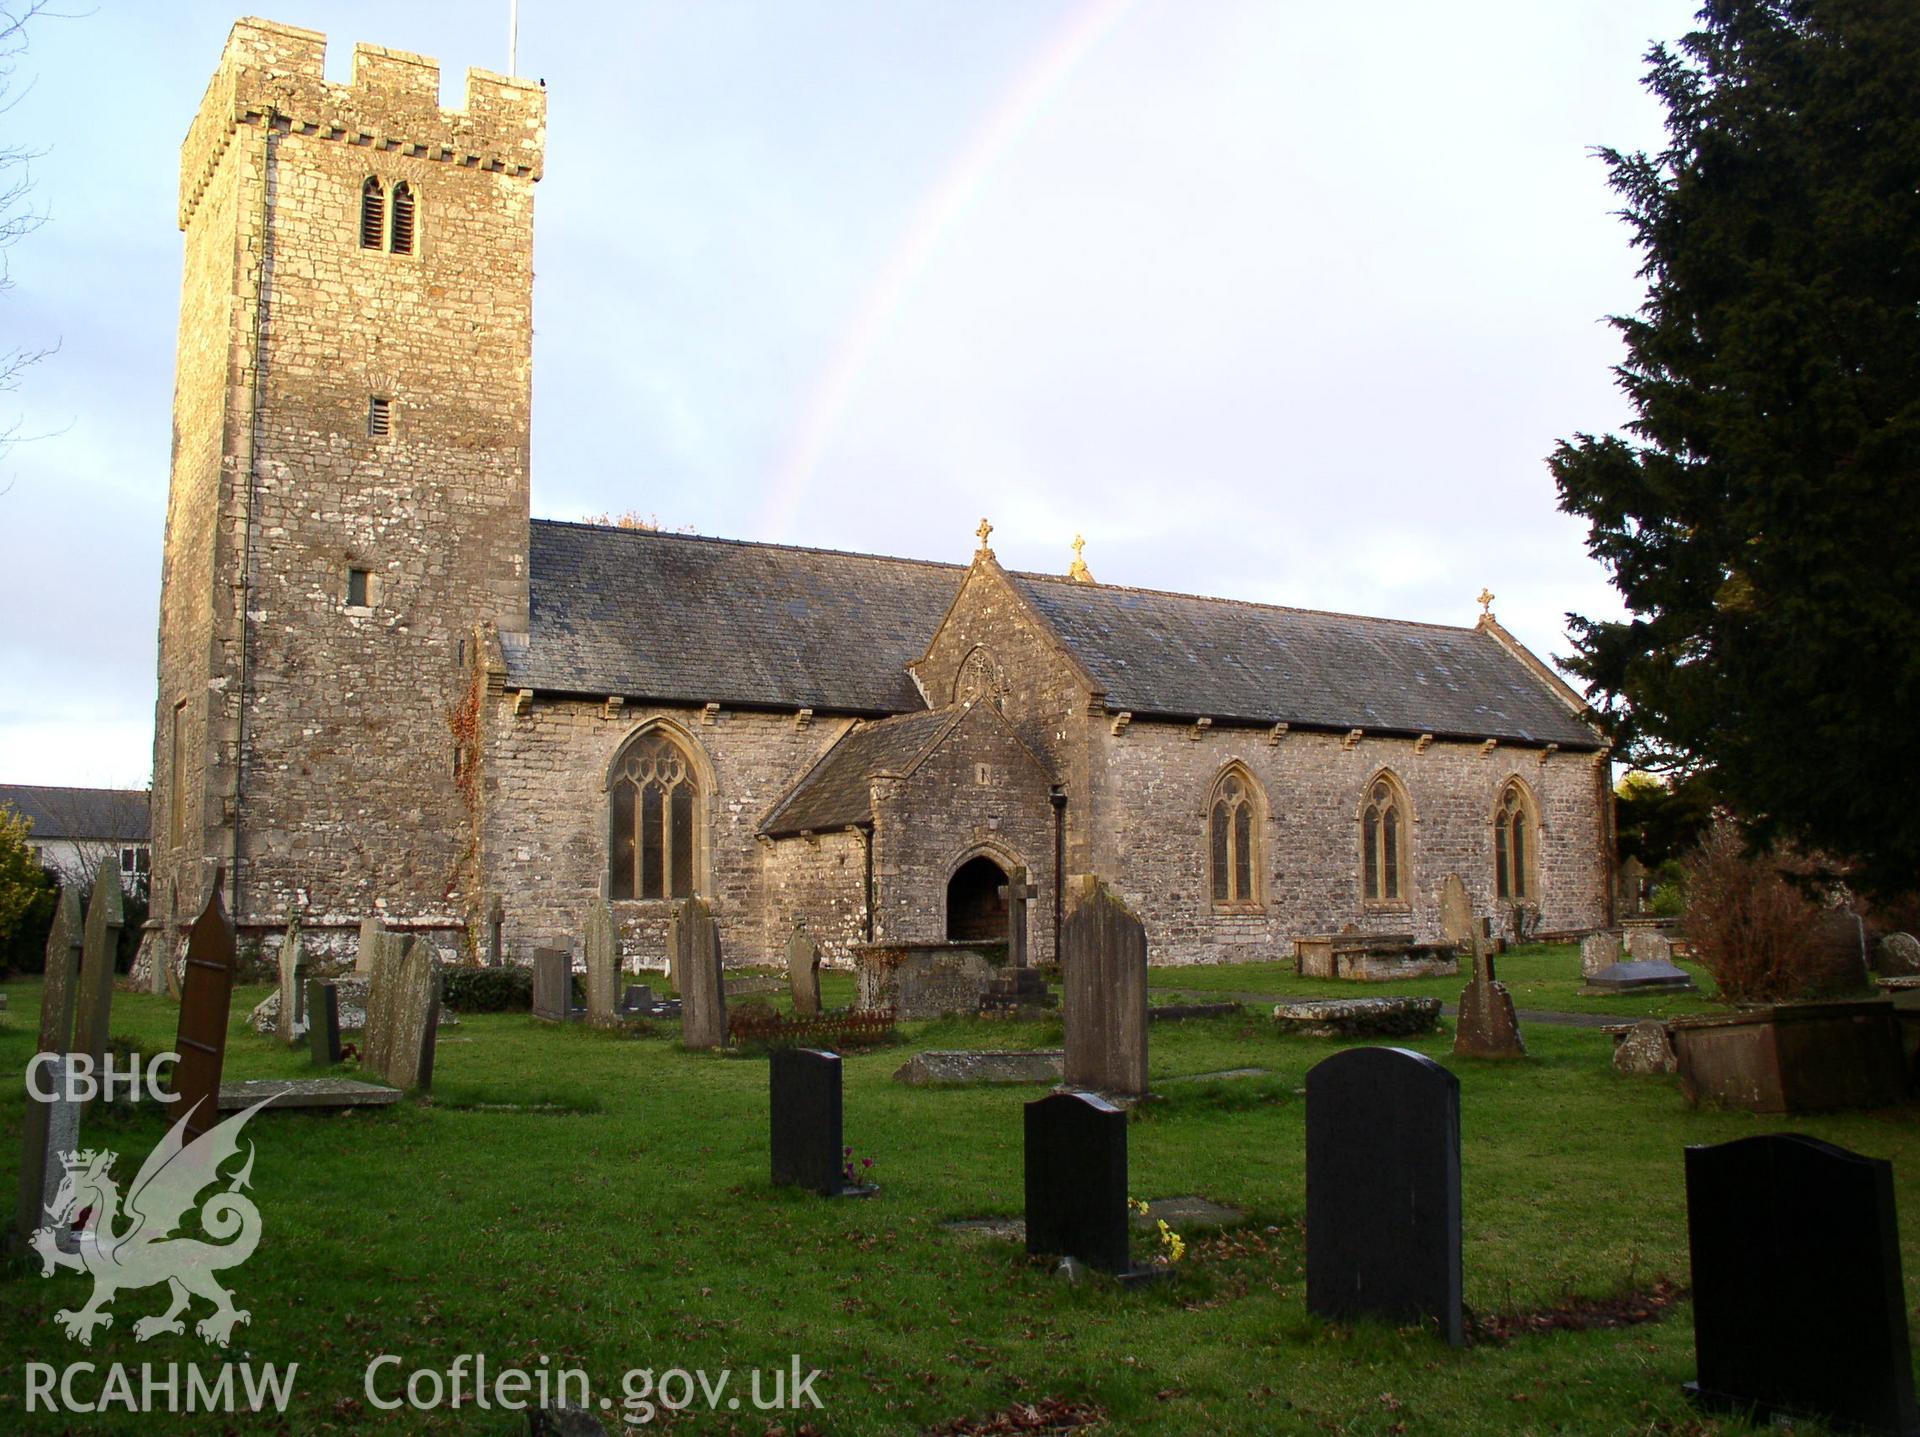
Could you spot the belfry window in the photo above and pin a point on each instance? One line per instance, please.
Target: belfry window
(1383, 842)
(1233, 839)
(373, 215)
(402, 233)
(654, 814)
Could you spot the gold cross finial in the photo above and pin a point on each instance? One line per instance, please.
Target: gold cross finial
(1486, 603)
(1079, 572)
(983, 531)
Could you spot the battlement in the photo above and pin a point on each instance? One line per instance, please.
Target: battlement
(273, 74)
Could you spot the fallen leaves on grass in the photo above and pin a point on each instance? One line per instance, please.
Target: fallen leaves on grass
(1579, 1314)
(1045, 1418)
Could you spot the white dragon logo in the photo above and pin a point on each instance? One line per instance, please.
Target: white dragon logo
(142, 1252)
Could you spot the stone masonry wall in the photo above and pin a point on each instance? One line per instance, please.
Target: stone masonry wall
(822, 881)
(1156, 782)
(981, 791)
(545, 821)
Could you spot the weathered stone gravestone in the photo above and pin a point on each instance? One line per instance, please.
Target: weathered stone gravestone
(292, 1021)
(703, 994)
(553, 985)
(676, 949)
(1798, 1306)
(323, 1023)
(1076, 1180)
(1599, 952)
(1104, 955)
(602, 945)
(1383, 1189)
(803, 972)
(403, 1013)
(206, 1006)
(496, 922)
(51, 1128)
(93, 1010)
(1897, 955)
(1632, 887)
(1456, 914)
(1646, 946)
(804, 1102)
(1487, 1026)
(374, 941)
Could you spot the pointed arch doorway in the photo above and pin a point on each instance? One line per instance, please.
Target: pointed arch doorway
(976, 913)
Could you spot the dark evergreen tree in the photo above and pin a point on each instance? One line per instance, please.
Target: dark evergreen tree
(1761, 515)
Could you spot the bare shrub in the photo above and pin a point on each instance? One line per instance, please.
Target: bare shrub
(1757, 930)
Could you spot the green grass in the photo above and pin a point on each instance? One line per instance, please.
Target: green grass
(1539, 976)
(622, 1219)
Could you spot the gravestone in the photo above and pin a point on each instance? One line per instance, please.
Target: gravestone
(1383, 1189)
(553, 985)
(602, 945)
(1632, 887)
(803, 972)
(676, 949)
(1644, 1049)
(1076, 1180)
(1897, 955)
(1599, 952)
(1018, 988)
(93, 1009)
(46, 1125)
(1017, 892)
(323, 1023)
(373, 937)
(703, 994)
(637, 999)
(1456, 913)
(206, 1006)
(292, 1020)
(1798, 1306)
(1487, 1027)
(403, 1013)
(1646, 946)
(1104, 953)
(804, 1101)
(496, 921)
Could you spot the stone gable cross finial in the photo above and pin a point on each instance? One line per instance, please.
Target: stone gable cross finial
(1485, 601)
(1079, 572)
(983, 531)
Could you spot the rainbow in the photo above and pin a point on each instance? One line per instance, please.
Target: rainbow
(942, 208)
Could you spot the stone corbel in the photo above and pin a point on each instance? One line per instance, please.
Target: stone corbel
(1352, 740)
(1120, 722)
(1489, 746)
(709, 714)
(803, 719)
(1548, 752)
(523, 703)
(1199, 729)
(1423, 743)
(615, 702)
(1276, 733)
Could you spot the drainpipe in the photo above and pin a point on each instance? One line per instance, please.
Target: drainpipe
(1057, 795)
(866, 834)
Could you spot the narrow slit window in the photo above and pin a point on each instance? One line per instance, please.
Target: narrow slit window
(373, 215)
(402, 219)
(358, 589)
(379, 416)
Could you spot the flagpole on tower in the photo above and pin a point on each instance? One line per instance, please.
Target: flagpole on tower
(513, 37)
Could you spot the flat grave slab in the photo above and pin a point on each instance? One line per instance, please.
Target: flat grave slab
(1358, 1017)
(1224, 1075)
(1640, 977)
(306, 1093)
(966, 1065)
(1174, 1012)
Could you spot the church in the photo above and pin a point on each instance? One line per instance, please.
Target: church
(385, 688)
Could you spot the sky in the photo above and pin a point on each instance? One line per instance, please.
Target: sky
(1278, 301)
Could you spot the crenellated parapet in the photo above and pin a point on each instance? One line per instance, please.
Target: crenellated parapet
(273, 73)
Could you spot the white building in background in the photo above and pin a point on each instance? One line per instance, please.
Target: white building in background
(75, 828)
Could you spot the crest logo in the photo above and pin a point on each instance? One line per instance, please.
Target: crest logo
(135, 1242)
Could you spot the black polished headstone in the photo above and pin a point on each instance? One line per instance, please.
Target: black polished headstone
(323, 1022)
(1077, 1180)
(638, 998)
(1797, 1299)
(1383, 1189)
(803, 1090)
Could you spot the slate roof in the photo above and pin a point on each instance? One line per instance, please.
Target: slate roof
(834, 792)
(649, 615)
(1181, 656)
(676, 617)
(116, 814)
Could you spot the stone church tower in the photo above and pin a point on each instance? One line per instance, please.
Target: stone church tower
(349, 496)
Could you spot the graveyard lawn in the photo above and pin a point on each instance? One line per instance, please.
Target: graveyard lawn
(602, 1200)
(1541, 977)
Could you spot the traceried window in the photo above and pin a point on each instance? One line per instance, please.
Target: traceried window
(655, 808)
(1383, 842)
(373, 215)
(1513, 824)
(1233, 838)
